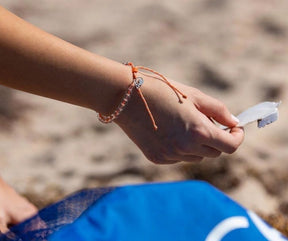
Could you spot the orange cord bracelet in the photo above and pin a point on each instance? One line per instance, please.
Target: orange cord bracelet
(137, 83)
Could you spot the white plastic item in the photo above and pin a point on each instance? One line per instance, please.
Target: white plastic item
(264, 113)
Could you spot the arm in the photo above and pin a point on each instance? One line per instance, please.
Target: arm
(40, 63)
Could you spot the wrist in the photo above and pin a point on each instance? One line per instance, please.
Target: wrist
(114, 83)
(135, 110)
(151, 91)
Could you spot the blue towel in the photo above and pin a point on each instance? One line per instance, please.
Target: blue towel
(179, 211)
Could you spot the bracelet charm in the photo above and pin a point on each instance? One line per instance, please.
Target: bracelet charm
(137, 83)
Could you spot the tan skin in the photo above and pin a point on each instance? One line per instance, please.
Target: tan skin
(13, 207)
(40, 63)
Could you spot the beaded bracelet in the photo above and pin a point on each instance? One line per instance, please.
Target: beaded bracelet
(137, 83)
(109, 118)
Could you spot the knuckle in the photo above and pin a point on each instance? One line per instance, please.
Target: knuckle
(156, 158)
(215, 154)
(3, 216)
(192, 159)
(182, 148)
(221, 107)
(200, 133)
(232, 148)
(203, 134)
(198, 159)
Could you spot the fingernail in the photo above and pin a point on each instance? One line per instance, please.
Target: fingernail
(235, 118)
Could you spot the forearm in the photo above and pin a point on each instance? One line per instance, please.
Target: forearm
(34, 61)
(40, 63)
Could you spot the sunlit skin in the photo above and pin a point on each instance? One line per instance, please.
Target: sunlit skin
(40, 63)
(13, 207)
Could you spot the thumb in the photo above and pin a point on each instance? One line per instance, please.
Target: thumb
(24, 211)
(3, 224)
(3, 228)
(215, 109)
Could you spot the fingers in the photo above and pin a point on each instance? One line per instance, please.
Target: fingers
(214, 108)
(22, 212)
(199, 151)
(3, 227)
(207, 151)
(226, 142)
(220, 140)
(4, 220)
(211, 147)
(174, 158)
(187, 158)
(193, 154)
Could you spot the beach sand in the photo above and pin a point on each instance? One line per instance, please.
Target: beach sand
(233, 50)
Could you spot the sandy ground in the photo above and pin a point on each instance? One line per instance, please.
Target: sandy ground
(233, 50)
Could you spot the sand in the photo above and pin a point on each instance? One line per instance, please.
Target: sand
(233, 50)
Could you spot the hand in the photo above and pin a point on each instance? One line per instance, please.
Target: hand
(13, 207)
(185, 130)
